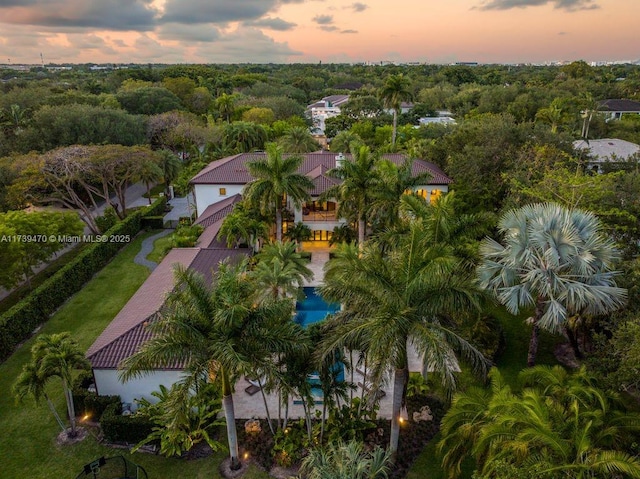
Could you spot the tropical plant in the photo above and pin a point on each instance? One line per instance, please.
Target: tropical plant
(298, 140)
(396, 299)
(243, 136)
(276, 181)
(559, 425)
(298, 233)
(53, 355)
(554, 259)
(183, 418)
(149, 172)
(354, 194)
(281, 270)
(217, 332)
(241, 225)
(393, 92)
(346, 461)
(226, 105)
(171, 166)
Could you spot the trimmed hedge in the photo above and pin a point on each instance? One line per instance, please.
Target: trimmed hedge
(153, 222)
(118, 428)
(18, 323)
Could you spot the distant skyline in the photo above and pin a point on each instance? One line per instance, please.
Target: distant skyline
(299, 31)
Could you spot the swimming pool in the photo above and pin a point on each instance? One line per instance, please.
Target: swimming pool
(313, 308)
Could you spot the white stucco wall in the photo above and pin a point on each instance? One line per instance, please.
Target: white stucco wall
(108, 384)
(209, 194)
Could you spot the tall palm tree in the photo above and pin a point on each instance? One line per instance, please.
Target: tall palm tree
(217, 332)
(560, 425)
(52, 355)
(298, 140)
(355, 192)
(555, 260)
(226, 105)
(394, 181)
(171, 166)
(276, 181)
(393, 92)
(394, 300)
(346, 461)
(149, 172)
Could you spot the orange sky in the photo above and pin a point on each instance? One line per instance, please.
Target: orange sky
(434, 31)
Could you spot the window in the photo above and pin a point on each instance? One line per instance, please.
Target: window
(435, 194)
(223, 192)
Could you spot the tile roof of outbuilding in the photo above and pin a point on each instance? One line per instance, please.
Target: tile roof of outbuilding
(217, 211)
(233, 170)
(619, 105)
(127, 332)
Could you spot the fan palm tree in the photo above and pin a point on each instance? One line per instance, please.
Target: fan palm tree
(346, 461)
(276, 181)
(393, 92)
(217, 332)
(555, 260)
(355, 192)
(298, 140)
(560, 424)
(399, 299)
(53, 355)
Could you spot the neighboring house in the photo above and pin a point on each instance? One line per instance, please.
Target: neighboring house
(614, 109)
(605, 150)
(328, 107)
(226, 178)
(128, 330)
(405, 107)
(442, 120)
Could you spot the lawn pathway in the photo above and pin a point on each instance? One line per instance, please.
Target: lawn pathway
(147, 247)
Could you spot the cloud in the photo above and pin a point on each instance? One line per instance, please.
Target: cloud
(180, 32)
(97, 14)
(349, 31)
(215, 11)
(273, 24)
(358, 7)
(328, 28)
(568, 5)
(245, 45)
(323, 19)
(562, 33)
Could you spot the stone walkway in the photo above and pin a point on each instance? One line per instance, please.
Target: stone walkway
(147, 247)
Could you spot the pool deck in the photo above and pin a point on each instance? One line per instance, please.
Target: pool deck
(248, 400)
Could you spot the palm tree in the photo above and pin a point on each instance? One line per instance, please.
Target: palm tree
(393, 92)
(561, 424)
(226, 105)
(298, 140)
(149, 172)
(393, 183)
(298, 233)
(354, 194)
(555, 260)
(53, 355)
(276, 181)
(346, 461)
(171, 166)
(281, 270)
(241, 225)
(394, 300)
(217, 332)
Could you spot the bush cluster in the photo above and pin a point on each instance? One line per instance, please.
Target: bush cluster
(128, 429)
(18, 323)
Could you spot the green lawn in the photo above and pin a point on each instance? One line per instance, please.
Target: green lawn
(512, 360)
(27, 431)
(161, 247)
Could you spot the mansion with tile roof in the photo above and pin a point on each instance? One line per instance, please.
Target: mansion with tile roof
(224, 180)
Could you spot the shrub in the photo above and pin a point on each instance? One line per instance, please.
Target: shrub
(118, 428)
(107, 221)
(153, 222)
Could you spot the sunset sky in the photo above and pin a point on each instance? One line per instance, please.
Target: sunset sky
(286, 31)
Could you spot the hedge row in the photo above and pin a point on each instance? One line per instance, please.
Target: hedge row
(118, 428)
(18, 323)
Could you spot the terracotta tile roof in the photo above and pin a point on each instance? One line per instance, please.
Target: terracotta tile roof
(127, 331)
(619, 105)
(233, 170)
(217, 211)
(209, 237)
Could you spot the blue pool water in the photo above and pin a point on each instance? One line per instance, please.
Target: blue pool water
(313, 308)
